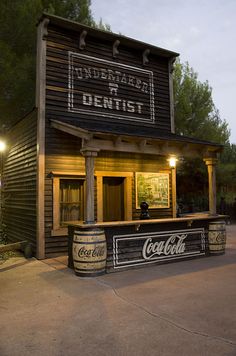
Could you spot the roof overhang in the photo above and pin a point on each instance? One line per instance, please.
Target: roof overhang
(117, 142)
(106, 35)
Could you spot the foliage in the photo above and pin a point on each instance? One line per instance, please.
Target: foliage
(75, 10)
(6, 255)
(195, 113)
(192, 183)
(102, 26)
(18, 49)
(226, 173)
(229, 154)
(197, 116)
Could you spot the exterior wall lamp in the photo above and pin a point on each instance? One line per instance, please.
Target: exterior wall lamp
(172, 161)
(2, 146)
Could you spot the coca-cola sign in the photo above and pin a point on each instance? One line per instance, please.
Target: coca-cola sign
(173, 246)
(145, 248)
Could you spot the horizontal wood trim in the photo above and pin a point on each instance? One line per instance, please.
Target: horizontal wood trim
(67, 174)
(113, 174)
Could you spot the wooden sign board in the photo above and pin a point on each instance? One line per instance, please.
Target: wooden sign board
(114, 90)
(152, 247)
(97, 77)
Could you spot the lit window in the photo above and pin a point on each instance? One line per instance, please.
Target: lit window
(71, 200)
(68, 203)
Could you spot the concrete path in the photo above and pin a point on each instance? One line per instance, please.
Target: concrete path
(182, 309)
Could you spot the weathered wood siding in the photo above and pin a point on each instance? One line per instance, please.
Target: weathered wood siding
(63, 150)
(60, 42)
(63, 155)
(133, 250)
(19, 181)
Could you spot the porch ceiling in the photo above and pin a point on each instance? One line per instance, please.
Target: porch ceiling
(138, 141)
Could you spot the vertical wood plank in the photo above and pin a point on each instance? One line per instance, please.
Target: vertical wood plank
(99, 198)
(56, 203)
(40, 104)
(174, 205)
(211, 168)
(128, 198)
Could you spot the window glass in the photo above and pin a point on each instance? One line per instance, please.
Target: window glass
(71, 200)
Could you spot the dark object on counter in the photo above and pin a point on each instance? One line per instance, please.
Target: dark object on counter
(144, 211)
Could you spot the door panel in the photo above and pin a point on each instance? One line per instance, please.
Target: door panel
(113, 198)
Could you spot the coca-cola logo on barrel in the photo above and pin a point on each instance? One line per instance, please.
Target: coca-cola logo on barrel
(145, 248)
(97, 251)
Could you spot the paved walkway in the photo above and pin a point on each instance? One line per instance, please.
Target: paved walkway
(180, 309)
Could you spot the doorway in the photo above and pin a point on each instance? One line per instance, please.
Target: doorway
(113, 198)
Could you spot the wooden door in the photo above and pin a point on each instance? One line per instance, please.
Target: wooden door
(113, 198)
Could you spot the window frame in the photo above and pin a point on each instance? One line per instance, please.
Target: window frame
(57, 229)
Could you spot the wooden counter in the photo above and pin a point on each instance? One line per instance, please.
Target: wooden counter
(154, 241)
(185, 218)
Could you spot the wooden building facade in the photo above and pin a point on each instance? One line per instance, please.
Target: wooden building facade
(100, 138)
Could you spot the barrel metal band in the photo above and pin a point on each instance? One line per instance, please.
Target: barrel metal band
(88, 270)
(89, 243)
(95, 262)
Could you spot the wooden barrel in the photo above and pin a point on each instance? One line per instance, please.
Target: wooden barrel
(89, 252)
(217, 237)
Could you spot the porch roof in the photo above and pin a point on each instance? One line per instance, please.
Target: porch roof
(141, 139)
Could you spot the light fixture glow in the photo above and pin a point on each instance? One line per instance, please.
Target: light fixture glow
(2, 146)
(172, 161)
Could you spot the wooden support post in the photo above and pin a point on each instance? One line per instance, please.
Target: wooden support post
(174, 205)
(211, 163)
(40, 104)
(89, 155)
